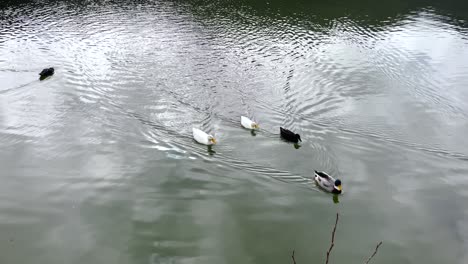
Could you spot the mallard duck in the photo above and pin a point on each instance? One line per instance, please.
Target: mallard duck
(327, 182)
(289, 135)
(249, 124)
(46, 73)
(202, 137)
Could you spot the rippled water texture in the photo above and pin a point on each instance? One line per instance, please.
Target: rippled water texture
(98, 164)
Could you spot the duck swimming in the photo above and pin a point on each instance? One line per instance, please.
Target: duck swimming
(249, 124)
(327, 182)
(289, 135)
(203, 138)
(46, 73)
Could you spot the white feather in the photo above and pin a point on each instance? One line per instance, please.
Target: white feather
(202, 137)
(324, 183)
(247, 123)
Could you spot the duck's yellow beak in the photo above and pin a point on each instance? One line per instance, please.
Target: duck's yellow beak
(213, 140)
(339, 188)
(256, 126)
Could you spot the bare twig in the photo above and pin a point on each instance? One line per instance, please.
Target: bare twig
(333, 244)
(333, 238)
(375, 252)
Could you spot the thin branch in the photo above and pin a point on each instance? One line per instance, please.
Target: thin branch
(375, 252)
(333, 238)
(333, 244)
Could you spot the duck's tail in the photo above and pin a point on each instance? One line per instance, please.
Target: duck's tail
(319, 174)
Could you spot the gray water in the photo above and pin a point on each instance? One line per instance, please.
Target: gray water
(97, 163)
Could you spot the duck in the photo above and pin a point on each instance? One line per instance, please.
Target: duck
(249, 124)
(203, 138)
(289, 135)
(46, 73)
(328, 183)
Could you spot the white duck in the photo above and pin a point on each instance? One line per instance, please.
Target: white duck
(202, 137)
(249, 124)
(327, 182)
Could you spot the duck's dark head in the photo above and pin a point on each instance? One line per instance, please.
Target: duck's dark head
(298, 137)
(337, 186)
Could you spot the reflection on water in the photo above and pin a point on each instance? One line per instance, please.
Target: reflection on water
(99, 165)
(336, 198)
(210, 150)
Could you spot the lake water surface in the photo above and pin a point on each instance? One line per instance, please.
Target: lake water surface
(97, 163)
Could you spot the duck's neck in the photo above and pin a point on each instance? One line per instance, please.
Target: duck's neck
(335, 191)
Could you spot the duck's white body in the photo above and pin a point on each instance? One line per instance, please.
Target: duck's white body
(202, 137)
(247, 123)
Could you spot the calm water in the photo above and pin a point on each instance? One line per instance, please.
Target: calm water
(98, 164)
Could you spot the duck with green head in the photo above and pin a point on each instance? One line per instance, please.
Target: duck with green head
(328, 183)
